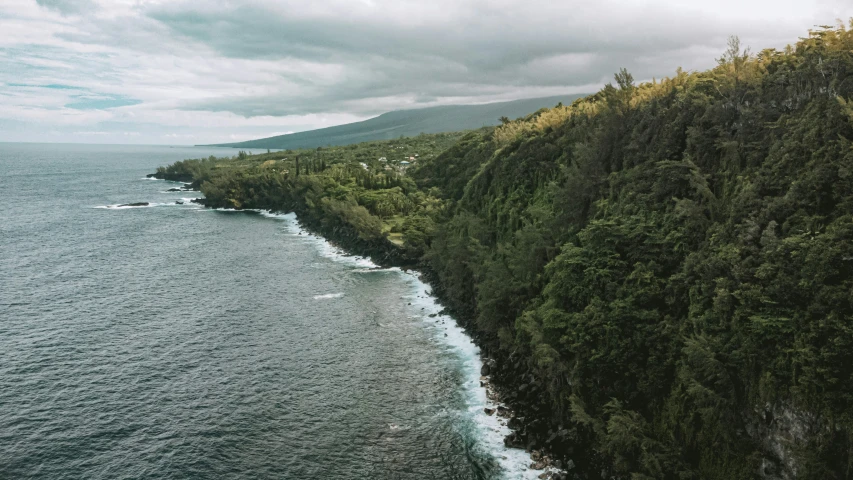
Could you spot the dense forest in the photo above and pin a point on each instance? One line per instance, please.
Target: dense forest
(666, 268)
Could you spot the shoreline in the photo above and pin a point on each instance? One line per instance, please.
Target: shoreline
(506, 381)
(446, 330)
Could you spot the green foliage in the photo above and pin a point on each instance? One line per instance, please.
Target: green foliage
(353, 188)
(671, 256)
(188, 170)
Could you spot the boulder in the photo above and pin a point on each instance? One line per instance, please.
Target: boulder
(489, 411)
(513, 440)
(486, 368)
(516, 422)
(175, 190)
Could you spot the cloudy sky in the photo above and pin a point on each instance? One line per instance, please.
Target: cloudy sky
(202, 71)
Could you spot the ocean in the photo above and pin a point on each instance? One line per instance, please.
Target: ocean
(174, 341)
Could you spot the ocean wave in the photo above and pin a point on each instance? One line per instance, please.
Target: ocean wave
(336, 254)
(124, 206)
(376, 270)
(328, 295)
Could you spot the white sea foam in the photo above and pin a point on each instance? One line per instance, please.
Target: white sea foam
(121, 206)
(328, 295)
(324, 247)
(514, 462)
(377, 270)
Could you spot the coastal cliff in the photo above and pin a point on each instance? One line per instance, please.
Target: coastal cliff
(662, 272)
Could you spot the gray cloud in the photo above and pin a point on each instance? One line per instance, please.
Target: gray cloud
(452, 50)
(68, 6)
(255, 65)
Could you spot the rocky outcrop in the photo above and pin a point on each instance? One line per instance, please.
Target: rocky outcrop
(781, 429)
(175, 177)
(487, 367)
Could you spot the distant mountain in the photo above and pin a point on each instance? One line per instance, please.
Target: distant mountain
(408, 123)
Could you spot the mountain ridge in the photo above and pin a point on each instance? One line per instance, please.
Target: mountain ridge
(407, 123)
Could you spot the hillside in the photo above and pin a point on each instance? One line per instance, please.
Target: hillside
(662, 272)
(407, 123)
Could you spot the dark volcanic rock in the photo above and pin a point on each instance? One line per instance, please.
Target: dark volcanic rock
(137, 204)
(175, 190)
(514, 440)
(489, 411)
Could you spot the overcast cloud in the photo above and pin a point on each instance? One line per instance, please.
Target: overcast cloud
(202, 71)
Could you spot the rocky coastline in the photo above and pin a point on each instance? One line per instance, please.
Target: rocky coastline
(510, 384)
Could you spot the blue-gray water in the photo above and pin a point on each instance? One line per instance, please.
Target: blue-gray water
(173, 341)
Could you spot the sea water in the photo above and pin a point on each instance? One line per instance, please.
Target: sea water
(174, 341)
